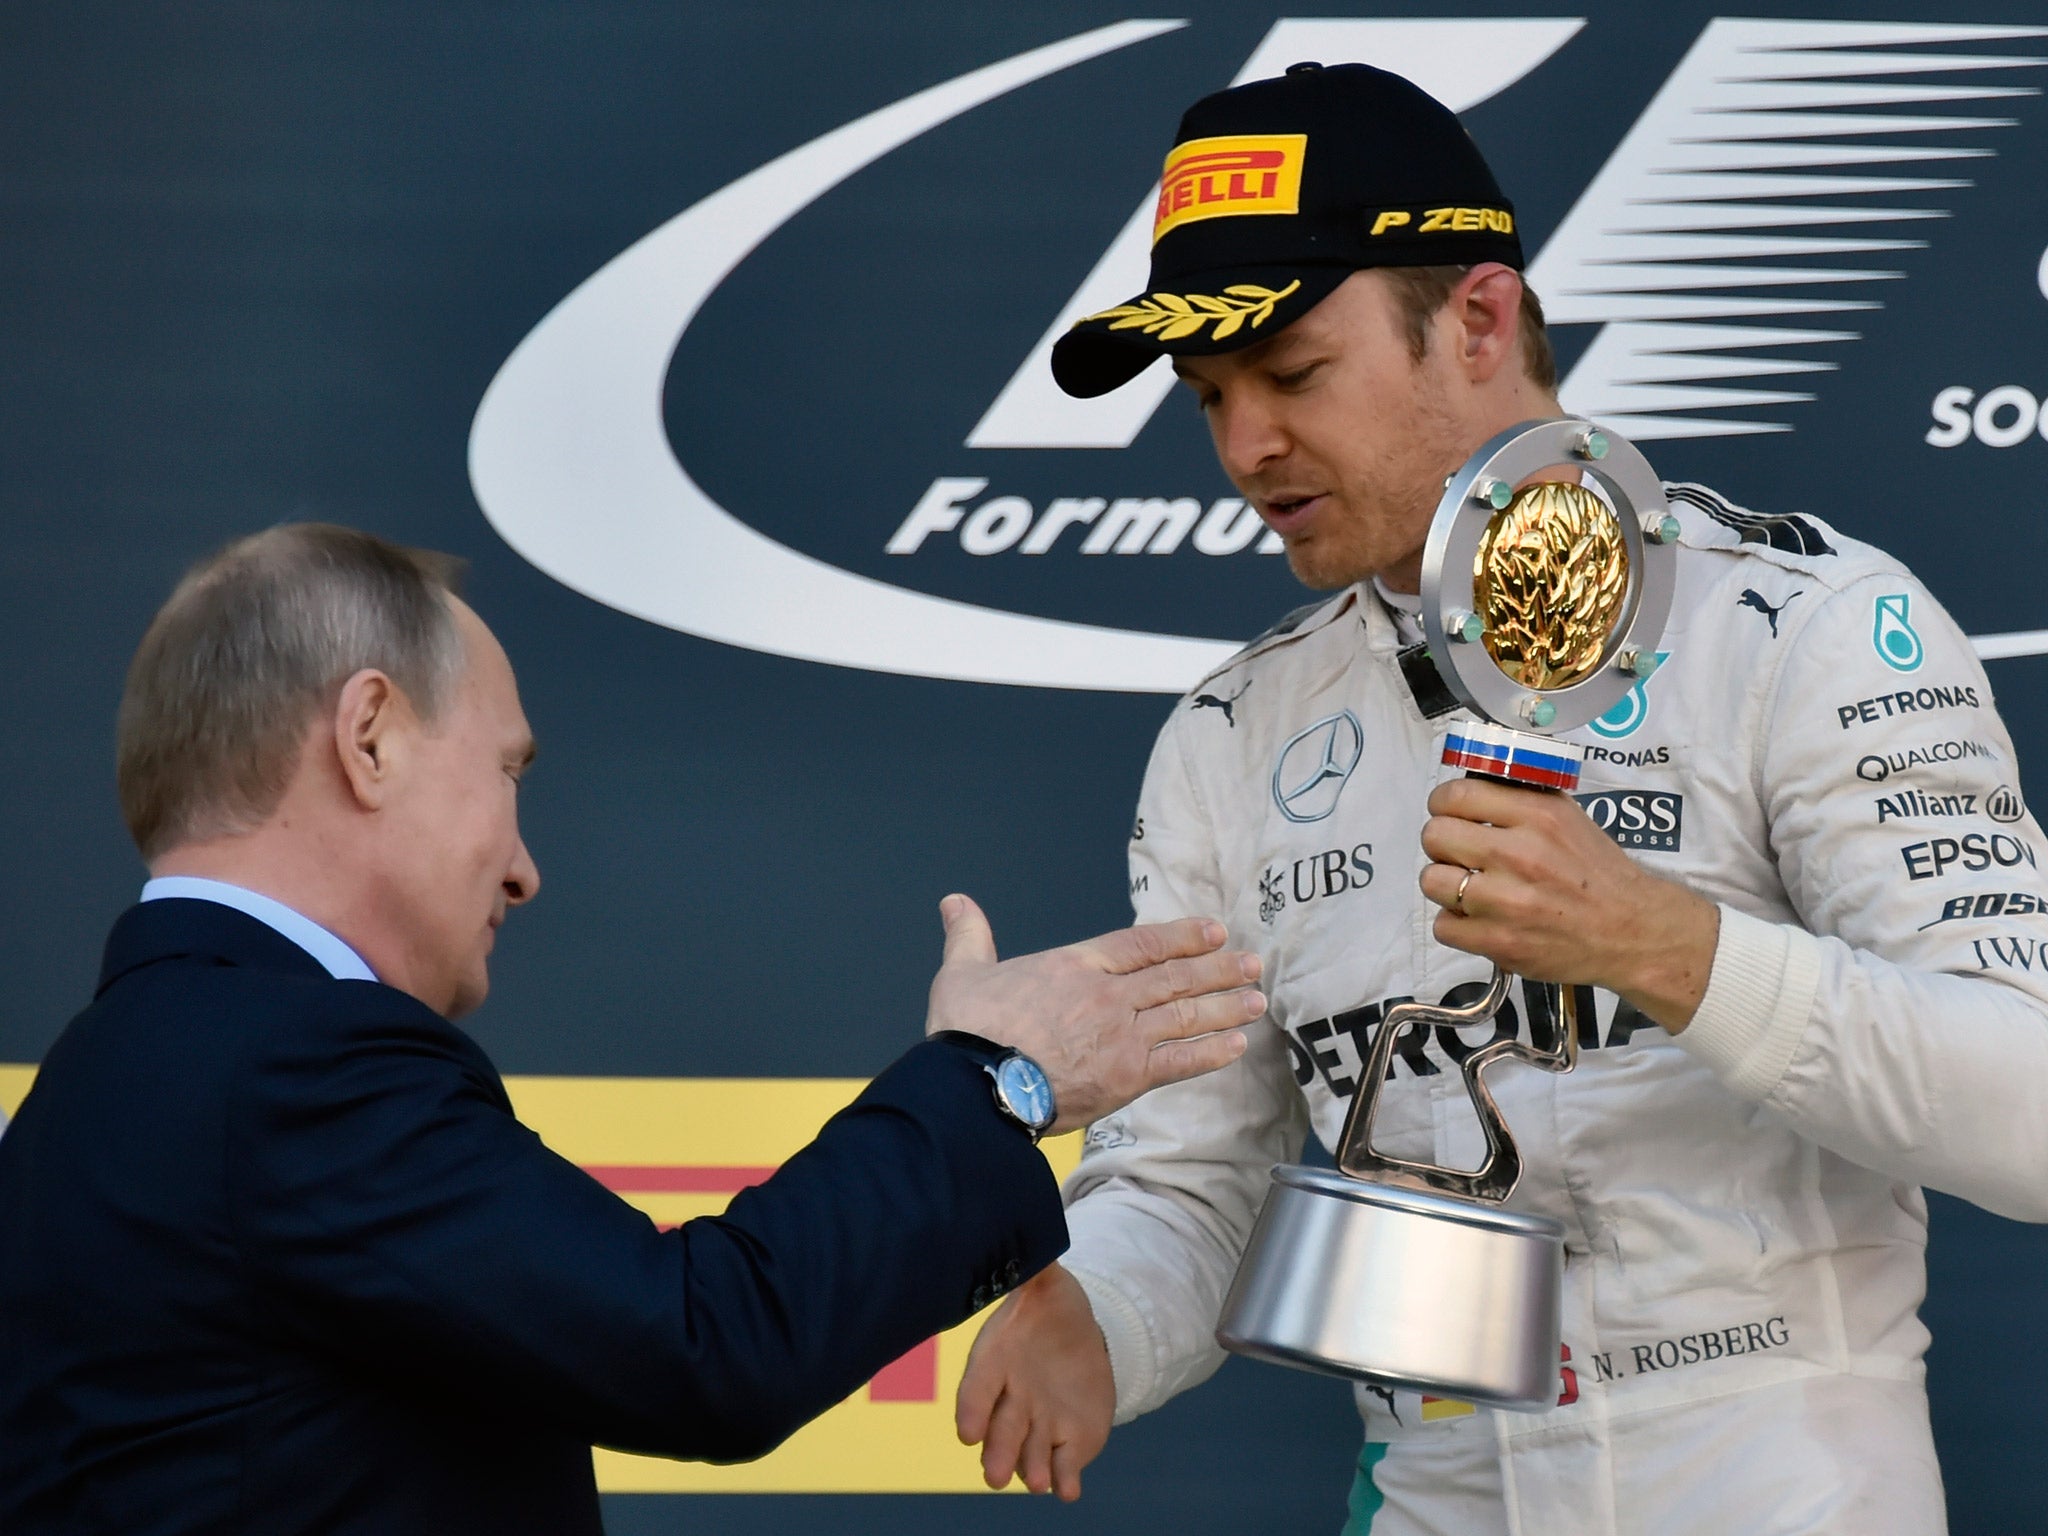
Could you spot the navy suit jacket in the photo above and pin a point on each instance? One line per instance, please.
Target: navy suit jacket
(276, 1256)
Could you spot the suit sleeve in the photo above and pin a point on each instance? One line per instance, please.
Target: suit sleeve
(1907, 1028)
(1164, 1199)
(397, 1213)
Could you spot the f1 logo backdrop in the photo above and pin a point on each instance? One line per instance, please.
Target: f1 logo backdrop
(733, 320)
(1722, 259)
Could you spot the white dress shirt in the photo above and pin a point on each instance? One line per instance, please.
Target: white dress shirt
(342, 963)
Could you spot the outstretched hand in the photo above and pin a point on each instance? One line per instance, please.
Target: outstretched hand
(1109, 1018)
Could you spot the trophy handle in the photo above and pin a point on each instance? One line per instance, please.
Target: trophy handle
(1495, 1179)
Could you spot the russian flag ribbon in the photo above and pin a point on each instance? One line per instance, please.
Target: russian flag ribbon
(1514, 756)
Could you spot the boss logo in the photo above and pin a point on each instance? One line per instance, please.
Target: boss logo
(1650, 819)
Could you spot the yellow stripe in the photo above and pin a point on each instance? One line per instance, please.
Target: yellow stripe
(14, 1083)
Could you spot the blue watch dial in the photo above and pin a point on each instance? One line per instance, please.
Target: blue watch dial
(1025, 1091)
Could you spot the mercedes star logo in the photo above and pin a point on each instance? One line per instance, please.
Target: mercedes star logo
(1314, 765)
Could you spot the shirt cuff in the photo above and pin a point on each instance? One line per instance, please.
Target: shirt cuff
(1759, 999)
(1130, 1343)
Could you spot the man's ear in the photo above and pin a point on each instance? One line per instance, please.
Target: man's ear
(373, 729)
(1487, 304)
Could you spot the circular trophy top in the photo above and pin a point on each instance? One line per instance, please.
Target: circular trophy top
(1547, 575)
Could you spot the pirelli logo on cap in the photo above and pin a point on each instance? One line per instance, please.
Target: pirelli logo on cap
(1222, 177)
(1443, 221)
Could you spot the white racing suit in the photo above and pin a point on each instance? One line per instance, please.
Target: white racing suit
(1820, 756)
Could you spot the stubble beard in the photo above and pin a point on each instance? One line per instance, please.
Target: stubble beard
(1392, 532)
(1320, 568)
(1362, 546)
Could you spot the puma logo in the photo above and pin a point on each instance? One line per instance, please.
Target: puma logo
(1751, 598)
(1210, 701)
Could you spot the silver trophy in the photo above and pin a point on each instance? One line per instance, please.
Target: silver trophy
(1546, 581)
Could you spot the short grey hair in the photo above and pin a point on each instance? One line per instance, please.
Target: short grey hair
(253, 645)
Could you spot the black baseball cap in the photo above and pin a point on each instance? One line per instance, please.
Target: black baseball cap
(1275, 192)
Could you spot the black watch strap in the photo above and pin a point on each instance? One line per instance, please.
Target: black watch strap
(985, 1051)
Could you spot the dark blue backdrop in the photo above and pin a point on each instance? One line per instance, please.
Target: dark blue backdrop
(260, 262)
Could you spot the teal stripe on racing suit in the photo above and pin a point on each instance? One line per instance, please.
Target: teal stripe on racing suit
(1365, 1494)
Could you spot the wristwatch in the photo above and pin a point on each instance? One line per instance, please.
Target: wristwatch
(1022, 1090)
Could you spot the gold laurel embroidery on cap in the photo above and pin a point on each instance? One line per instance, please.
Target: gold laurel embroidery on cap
(1172, 316)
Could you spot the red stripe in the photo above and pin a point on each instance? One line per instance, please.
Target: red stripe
(677, 1179)
(912, 1379)
(1522, 772)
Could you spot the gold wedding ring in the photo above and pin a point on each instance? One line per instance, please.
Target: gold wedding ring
(1458, 901)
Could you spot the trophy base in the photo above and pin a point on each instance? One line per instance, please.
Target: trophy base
(1401, 1288)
